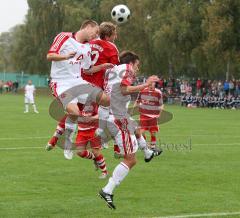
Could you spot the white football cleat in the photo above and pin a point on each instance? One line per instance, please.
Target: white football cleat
(104, 145)
(68, 154)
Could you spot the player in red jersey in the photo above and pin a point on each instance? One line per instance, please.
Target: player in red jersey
(87, 125)
(150, 103)
(103, 51)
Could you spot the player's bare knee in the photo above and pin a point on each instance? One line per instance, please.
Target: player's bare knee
(130, 160)
(138, 133)
(72, 111)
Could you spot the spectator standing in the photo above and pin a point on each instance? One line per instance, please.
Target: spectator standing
(231, 87)
(15, 86)
(199, 86)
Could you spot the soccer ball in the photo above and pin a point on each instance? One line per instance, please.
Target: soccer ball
(120, 14)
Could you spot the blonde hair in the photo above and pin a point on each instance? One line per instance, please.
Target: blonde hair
(106, 29)
(86, 23)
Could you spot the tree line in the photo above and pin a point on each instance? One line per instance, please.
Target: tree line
(192, 38)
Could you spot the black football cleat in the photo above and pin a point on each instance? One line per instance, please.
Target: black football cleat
(107, 198)
(149, 158)
(157, 151)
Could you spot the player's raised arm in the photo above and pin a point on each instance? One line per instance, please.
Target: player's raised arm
(54, 53)
(127, 89)
(94, 69)
(60, 57)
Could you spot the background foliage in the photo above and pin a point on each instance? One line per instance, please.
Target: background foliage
(173, 38)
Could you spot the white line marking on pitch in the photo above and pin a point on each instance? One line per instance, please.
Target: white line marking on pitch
(21, 148)
(24, 138)
(46, 137)
(194, 135)
(232, 144)
(202, 215)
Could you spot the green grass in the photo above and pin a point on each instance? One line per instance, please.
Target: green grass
(203, 178)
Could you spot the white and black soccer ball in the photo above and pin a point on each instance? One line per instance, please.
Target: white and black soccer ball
(120, 14)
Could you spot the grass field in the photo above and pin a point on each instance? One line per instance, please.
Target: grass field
(200, 178)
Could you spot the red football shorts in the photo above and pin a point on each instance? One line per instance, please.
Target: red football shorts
(148, 123)
(85, 136)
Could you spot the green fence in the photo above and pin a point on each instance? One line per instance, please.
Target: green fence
(22, 78)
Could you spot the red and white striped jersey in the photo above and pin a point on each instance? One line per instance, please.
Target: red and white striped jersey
(150, 102)
(88, 110)
(121, 75)
(64, 43)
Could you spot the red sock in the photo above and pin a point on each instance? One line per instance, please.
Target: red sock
(101, 163)
(86, 154)
(153, 140)
(60, 127)
(62, 122)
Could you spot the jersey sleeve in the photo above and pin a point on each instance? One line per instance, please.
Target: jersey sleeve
(114, 56)
(57, 43)
(128, 77)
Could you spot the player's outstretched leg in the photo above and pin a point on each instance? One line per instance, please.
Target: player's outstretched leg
(100, 162)
(70, 127)
(108, 198)
(118, 175)
(58, 132)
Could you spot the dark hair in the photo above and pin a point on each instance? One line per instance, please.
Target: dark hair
(106, 29)
(127, 57)
(86, 23)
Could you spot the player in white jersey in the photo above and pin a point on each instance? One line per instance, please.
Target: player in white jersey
(30, 90)
(122, 126)
(70, 55)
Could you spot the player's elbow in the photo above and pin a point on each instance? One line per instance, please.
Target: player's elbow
(49, 57)
(125, 90)
(87, 71)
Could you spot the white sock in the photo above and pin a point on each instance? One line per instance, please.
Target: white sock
(70, 127)
(143, 146)
(70, 124)
(26, 107)
(142, 143)
(59, 131)
(119, 173)
(34, 107)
